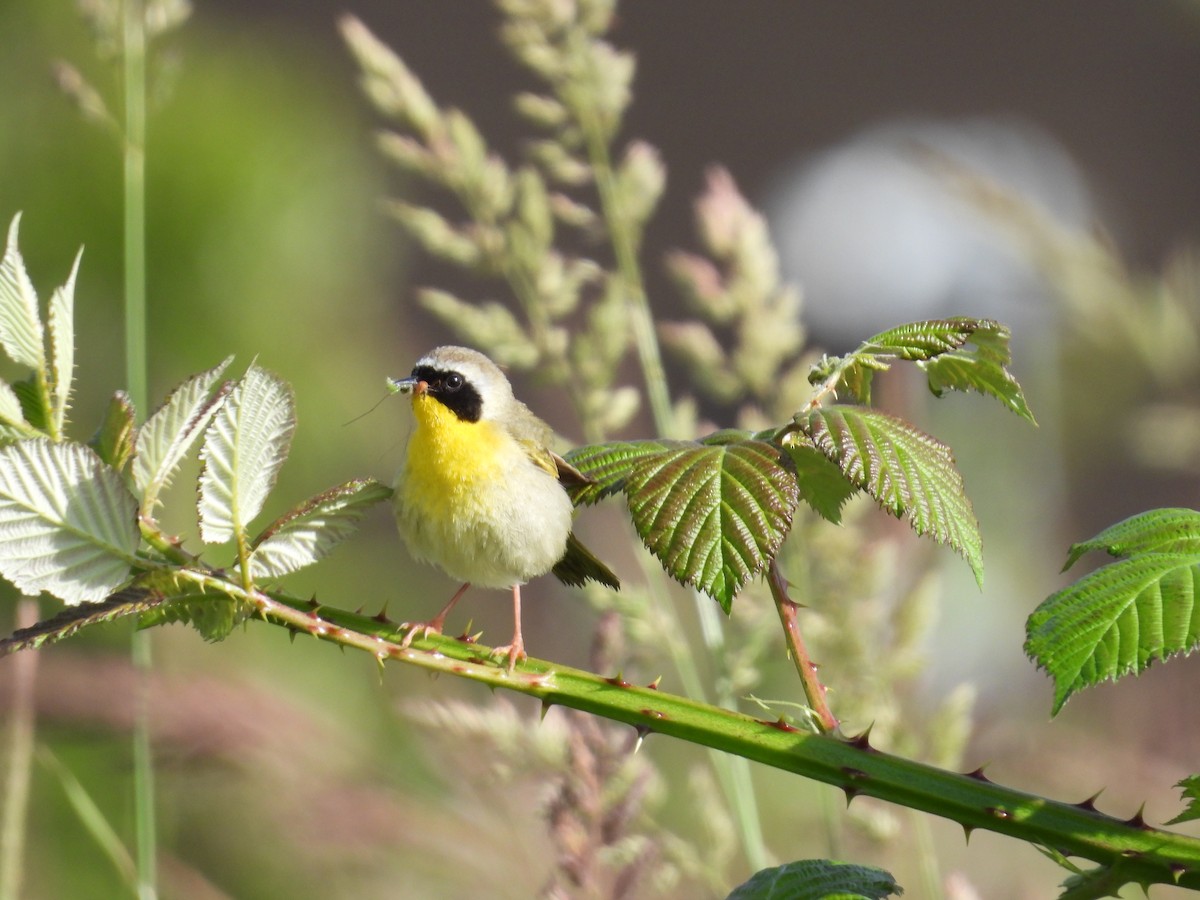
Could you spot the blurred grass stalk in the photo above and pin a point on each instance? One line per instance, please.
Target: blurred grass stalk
(133, 59)
(21, 726)
(733, 772)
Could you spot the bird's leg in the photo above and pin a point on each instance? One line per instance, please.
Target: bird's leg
(515, 650)
(434, 625)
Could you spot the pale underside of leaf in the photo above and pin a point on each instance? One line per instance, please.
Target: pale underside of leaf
(164, 440)
(308, 532)
(907, 472)
(714, 515)
(1116, 621)
(21, 333)
(67, 522)
(12, 418)
(62, 346)
(244, 447)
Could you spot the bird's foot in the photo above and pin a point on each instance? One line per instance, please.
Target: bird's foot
(514, 651)
(420, 630)
(434, 625)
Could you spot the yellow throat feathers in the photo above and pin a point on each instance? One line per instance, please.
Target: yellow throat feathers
(446, 454)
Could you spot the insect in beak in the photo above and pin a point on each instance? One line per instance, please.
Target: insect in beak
(410, 385)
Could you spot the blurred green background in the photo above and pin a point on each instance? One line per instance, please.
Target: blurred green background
(285, 768)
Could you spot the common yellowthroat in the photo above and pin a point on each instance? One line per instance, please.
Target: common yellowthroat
(481, 494)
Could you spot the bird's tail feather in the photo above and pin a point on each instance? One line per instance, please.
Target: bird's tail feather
(579, 564)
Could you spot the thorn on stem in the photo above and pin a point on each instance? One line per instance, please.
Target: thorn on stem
(1089, 805)
(862, 741)
(642, 733)
(1138, 820)
(779, 724)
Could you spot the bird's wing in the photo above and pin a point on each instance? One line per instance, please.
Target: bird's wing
(540, 456)
(568, 475)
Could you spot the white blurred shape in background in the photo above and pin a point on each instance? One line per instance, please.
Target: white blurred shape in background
(876, 235)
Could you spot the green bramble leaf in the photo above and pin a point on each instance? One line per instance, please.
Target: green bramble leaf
(114, 439)
(213, 615)
(925, 340)
(818, 879)
(307, 533)
(714, 514)
(1191, 795)
(916, 341)
(186, 599)
(68, 524)
(1116, 621)
(821, 483)
(1083, 884)
(608, 465)
(850, 375)
(244, 447)
(714, 511)
(982, 369)
(33, 404)
(907, 472)
(1161, 530)
(940, 347)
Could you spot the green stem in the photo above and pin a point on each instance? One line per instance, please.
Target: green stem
(21, 723)
(1129, 850)
(1136, 852)
(135, 202)
(134, 60)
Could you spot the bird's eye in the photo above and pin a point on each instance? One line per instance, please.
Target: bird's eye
(452, 382)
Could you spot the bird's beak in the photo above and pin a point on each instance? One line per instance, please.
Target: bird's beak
(410, 385)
